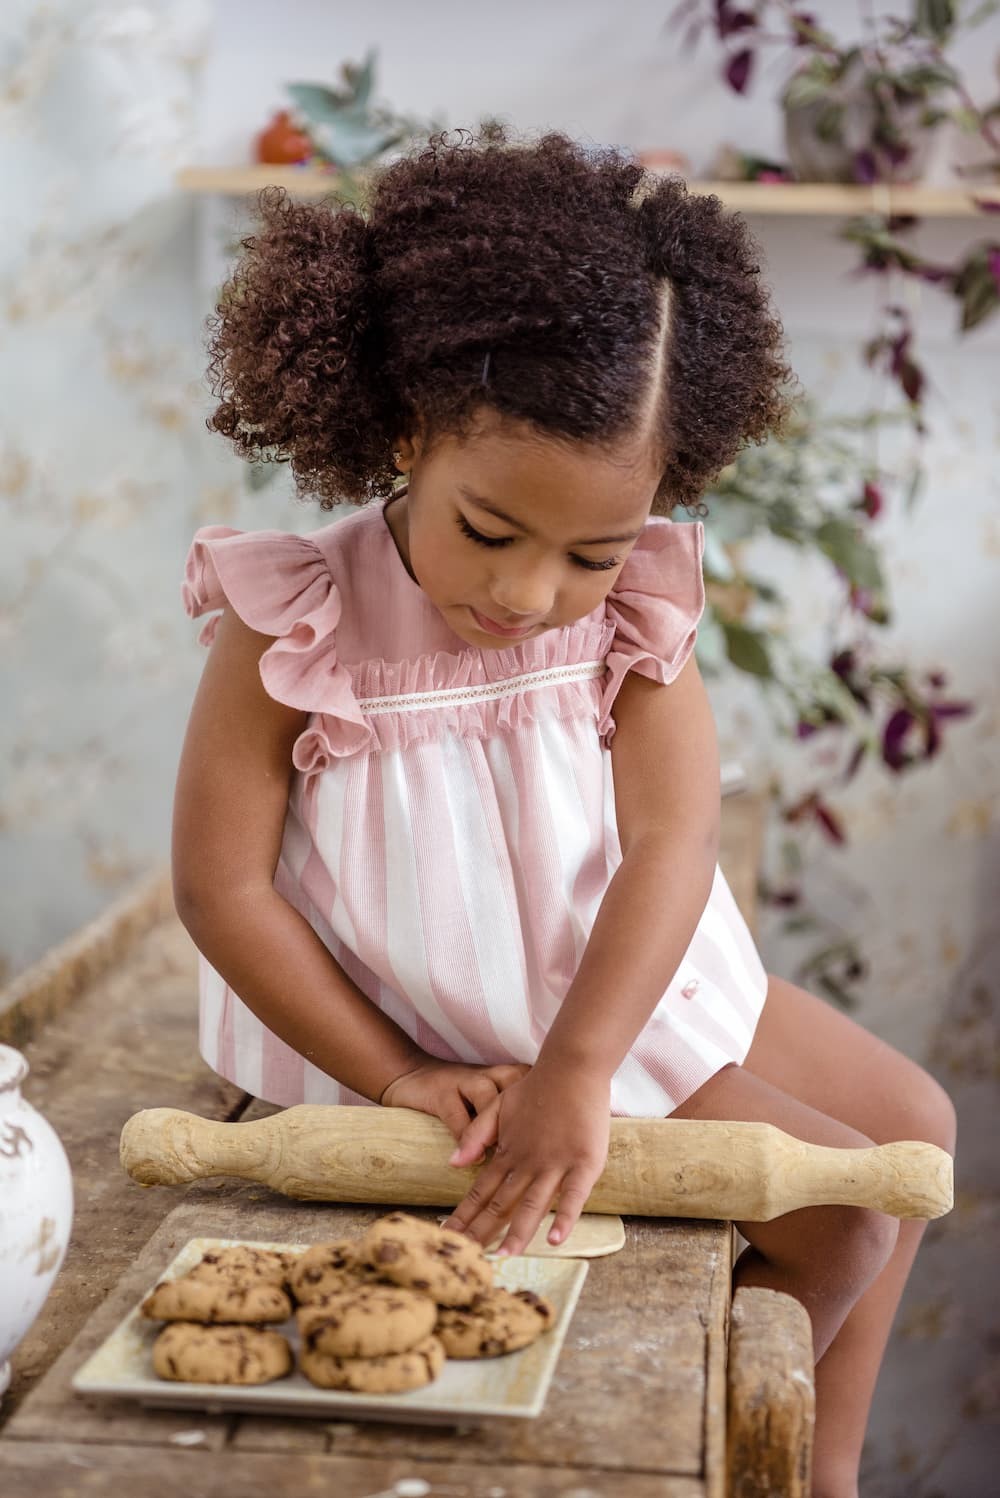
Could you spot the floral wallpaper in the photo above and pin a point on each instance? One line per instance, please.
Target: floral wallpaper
(106, 470)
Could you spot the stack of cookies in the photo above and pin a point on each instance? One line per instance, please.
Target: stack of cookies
(217, 1316)
(377, 1314)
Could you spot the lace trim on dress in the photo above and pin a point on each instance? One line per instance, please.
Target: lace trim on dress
(488, 692)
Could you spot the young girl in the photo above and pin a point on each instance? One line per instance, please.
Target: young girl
(447, 812)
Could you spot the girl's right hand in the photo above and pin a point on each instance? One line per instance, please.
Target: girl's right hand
(452, 1090)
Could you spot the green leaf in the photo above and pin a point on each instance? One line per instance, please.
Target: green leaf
(926, 76)
(843, 542)
(934, 18)
(747, 649)
(260, 475)
(805, 89)
(967, 120)
(980, 295)
(983, 13)
(829, 123)
(710, 646)
(716, 558)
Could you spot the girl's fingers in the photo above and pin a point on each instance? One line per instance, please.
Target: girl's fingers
(453, 1114)
(477, 1134)
(487, 1182)
(494, 1205)
(535, 1201)
(480, 1091)
(572, 1196)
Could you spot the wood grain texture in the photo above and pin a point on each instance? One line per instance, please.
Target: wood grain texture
(771, 1397)
(628, 1396)
(49, 986)
(655, 1167)
(65, 1470)
(128, 1038)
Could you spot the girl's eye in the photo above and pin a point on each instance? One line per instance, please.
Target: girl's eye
(473, 535)
(466, 528)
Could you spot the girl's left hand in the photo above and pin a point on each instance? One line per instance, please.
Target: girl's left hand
(551, 1136)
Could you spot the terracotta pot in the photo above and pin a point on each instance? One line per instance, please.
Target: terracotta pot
(36, 1208)
(282, 143)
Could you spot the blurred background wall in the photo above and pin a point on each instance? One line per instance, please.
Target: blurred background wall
(107, 272)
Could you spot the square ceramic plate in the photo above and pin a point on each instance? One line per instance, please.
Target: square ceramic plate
(464, 1391)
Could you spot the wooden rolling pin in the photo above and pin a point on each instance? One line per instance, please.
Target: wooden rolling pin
(656, 1167)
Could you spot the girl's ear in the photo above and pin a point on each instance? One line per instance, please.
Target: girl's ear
(404, 454)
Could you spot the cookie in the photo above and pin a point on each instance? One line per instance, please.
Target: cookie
(392, 1374)
(244, 1262)
(496, 1322)
(449, 1267)
(328, 1267)
(216, 1300)
(367, 1321)
(220, 1354)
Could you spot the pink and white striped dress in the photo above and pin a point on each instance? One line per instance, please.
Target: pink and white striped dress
(451, 824)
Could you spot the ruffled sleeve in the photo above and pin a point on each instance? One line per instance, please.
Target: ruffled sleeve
(654, 608)
(280, 584)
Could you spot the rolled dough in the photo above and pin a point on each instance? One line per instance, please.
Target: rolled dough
(595, 1234)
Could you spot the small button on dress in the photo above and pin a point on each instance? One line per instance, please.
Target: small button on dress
(451, 826)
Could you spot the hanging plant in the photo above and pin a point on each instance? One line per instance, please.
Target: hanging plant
(815, 492)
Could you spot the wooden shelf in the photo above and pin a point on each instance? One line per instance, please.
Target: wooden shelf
(788, 198)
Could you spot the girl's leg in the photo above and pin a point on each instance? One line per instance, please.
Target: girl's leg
(816, 1074)
(840, 1068)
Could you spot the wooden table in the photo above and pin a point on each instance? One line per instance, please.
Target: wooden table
(662, 1382)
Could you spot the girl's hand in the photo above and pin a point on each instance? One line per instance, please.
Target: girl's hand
(452, 1091)
(551, 1136)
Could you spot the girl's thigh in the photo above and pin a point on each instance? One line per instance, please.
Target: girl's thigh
(819, 1055)
(819, 1076)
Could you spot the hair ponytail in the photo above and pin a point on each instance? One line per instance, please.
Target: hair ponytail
(724, 368)
(297, 356)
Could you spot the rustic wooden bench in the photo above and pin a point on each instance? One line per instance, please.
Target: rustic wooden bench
(663, 1386)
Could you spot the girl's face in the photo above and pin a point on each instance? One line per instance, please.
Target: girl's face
(510, 529)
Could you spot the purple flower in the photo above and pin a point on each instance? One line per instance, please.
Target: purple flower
(728, 21)
(894, 739)
(829, 822)
(872, 501)
(993, 264)
(865, 166)
(738, 70)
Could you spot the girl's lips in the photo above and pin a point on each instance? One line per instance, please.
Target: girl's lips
(498, 629)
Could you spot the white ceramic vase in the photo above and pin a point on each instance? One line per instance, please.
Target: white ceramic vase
(36, 1208)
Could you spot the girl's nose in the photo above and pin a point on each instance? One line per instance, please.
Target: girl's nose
(526, 594)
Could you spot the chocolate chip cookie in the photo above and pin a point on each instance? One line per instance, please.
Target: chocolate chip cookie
(216, 1300)
(367, 1321)
(391, 1374)
(244, 1262)
(328, 1267)
(497, 1321)
(419, 1255)
(220, 1354)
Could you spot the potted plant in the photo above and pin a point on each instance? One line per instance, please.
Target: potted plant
(865, 111)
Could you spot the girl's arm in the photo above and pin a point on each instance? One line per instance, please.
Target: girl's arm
(551, 1129)
(229, 816)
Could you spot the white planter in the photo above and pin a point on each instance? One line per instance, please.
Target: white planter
(36, 1208)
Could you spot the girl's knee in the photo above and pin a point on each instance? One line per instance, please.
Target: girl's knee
(919, 1108)
(938, 1120)
(871, 1239)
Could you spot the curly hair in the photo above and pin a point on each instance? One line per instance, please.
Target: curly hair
(529, 278)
